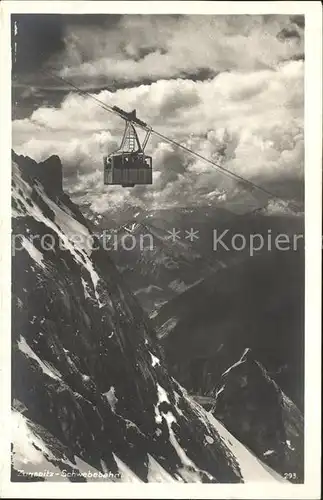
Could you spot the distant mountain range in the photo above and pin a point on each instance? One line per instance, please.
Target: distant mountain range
(160, 272)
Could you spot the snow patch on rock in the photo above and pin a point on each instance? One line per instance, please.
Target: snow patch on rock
(45, 367)
(156, 473)
(168, 326)
(34, 253)
(127, 476)
(239, 362)
(111, 398)
(154, 360)
(251, 468)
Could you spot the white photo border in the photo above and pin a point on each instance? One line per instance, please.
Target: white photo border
(312, 11)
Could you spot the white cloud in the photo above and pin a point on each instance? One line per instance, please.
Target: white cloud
(155, 47)
(250, 121)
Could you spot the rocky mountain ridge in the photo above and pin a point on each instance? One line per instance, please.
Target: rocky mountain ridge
(90, 388)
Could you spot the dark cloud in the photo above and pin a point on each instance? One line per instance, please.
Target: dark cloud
(287, 33)
(200, 74)
(142, 52)
(298, 57)
(38, 37)
(105, 20)
(35, 38)
(122, 51)
(299, 20)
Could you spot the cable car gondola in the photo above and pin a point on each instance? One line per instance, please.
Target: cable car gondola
(129, 165)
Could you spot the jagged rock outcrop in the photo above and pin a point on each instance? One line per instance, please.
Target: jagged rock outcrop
(257, 412)
(49, 173)
(89, 384)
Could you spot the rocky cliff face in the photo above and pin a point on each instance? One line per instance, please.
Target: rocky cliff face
(257, 304)
(259, 414)
(90, 388)
(49, 173)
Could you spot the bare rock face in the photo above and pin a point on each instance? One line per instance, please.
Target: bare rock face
(49, 172)
(257, 412)
(257, 303)
(89, 385)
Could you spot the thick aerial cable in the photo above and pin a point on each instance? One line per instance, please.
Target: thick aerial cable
(85, 92)
(213, 164)
(133, 119)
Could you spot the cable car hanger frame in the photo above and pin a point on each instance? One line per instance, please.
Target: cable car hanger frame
(129, 165)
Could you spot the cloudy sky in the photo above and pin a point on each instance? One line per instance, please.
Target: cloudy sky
(229, 87)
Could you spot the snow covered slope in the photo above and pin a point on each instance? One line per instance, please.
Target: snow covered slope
(90, 387)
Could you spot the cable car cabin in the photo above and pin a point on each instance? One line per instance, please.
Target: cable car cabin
(129, 165)
(128, 169)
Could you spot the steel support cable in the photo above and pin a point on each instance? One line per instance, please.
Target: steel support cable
(212, 163)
